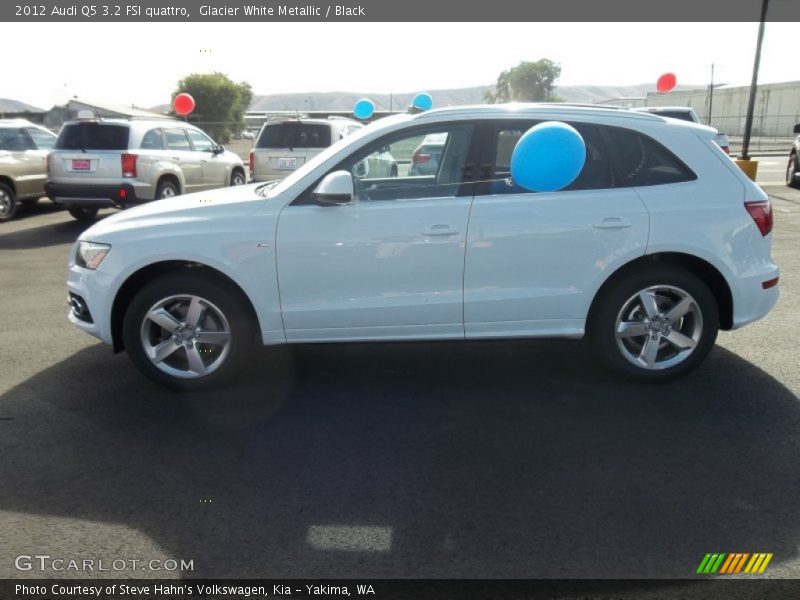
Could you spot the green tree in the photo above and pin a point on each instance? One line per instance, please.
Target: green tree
(527, 82)
(220, 103)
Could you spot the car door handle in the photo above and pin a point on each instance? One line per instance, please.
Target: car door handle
(176, 158)
(440, 230)
(612, 223)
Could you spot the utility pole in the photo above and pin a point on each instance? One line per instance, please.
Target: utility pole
(711, 95)
(751, 102)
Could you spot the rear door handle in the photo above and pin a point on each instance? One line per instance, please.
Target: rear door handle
(612, 223)
(440, 230)
(176, 158)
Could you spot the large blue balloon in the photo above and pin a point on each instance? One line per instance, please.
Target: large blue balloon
(422, 101)
(363, 109)
(548, 157)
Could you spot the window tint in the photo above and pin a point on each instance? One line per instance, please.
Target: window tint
(93, 136)
(175, 139)
(44, 140)
(295, 134)
(419, 165)
(641, 161)
(14, 140)
(152, 140)
(200, 142)
(597, 171)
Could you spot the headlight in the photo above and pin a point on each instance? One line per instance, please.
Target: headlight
(91, 254)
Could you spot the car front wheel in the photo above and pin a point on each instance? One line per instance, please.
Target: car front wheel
(791, 172)
(188, 331)
(655, 325)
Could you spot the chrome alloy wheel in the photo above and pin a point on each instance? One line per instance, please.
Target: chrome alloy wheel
(658, 327)
(186, 336)
(6, 204)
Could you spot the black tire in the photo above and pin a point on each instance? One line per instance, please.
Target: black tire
(791, 172)
(8, 203)
(167, 189)
(238, 177)
(222, 297)
(83, 213)
(622, 294)
(393, 171)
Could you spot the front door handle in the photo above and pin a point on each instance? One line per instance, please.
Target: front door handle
(176, 158)
(440, 230)
(612, 223)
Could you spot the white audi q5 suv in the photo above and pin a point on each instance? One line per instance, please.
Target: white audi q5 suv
(659, 242)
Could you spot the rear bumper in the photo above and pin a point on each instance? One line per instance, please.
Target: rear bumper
(92, 195)
(753, 301)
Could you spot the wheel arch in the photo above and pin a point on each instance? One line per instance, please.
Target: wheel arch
(169, 176)
(703, 269)
(5, 179)
(138, 279)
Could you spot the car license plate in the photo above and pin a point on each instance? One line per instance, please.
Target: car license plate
(81, 165)
(287, 163)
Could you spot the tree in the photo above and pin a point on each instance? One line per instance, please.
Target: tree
(220, 103)
(527, 82)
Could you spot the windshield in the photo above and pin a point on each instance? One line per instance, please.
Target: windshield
(331, 151)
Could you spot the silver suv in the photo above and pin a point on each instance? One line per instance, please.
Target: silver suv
(285, 145)
(114, 162)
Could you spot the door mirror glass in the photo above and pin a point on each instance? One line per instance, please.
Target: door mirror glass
(335, 189)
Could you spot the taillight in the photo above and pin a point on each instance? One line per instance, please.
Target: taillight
(420, 157)
(761, 211)
(129, 165)
(252, 162)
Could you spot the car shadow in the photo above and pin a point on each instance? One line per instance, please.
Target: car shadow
(456, 460)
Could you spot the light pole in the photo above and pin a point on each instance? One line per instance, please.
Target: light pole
(751, 101)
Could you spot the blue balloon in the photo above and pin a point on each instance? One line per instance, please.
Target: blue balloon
(548, 157)
(422, 101)
(363, 109)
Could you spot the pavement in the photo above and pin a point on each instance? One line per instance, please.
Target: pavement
(459, 460)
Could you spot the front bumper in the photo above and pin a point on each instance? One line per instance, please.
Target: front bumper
(92, 287)
(79, 194)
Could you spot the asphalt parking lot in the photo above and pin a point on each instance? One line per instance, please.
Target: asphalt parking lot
(463, 460)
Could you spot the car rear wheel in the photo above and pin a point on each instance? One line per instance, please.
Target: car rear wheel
(166, 189)
(8, 203)
(238, 178)
(83, 213)
(188, 331)
(655, 325)
(791, 172)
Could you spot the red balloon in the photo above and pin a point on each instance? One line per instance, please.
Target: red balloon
(666, 82)
(183, 104)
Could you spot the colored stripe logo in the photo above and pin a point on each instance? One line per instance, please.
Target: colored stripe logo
(734, 562)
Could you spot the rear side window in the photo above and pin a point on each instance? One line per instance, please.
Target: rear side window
(152, 140)
(641, 161)
(597, 173)
(93, 136)
(14, 140)
(295, 134)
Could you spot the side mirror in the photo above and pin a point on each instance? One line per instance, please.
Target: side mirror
(797, 128)
(219, 149)
(335, 189)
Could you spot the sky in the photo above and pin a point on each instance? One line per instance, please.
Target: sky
(140, 63)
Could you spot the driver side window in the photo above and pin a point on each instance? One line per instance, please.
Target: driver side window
(422, 164)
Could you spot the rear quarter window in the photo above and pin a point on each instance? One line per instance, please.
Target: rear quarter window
(93, 136)
(641, 161)
(295, 134)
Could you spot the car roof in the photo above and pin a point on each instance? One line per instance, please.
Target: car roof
(134, 122)
(543, 109)
(329, 121)
(655, 109)
(17, 123)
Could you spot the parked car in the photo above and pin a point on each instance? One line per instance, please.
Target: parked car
(426, 156)
(115, 162)
(23, 170)
(285, 145)
(655, 246)
(685, 113)
(793, 167)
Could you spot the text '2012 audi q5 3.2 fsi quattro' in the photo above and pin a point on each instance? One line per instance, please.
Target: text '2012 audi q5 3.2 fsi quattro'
(657, 243)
